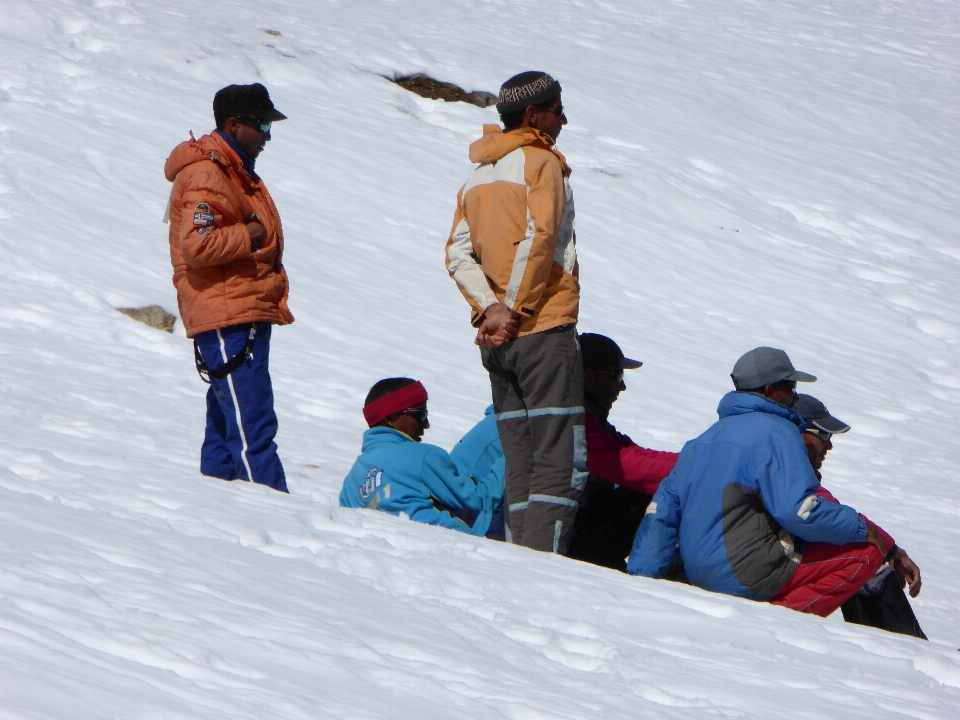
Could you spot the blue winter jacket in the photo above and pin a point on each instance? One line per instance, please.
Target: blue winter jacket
(479, 455)
(396, 474)
(740, 502)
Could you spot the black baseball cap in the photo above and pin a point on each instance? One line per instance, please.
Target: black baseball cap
(601, 353)
(817, 414)
(245, 100)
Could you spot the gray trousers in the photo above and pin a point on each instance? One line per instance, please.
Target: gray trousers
(537, 383)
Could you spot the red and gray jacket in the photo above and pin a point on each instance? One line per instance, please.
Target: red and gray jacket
(614, 457)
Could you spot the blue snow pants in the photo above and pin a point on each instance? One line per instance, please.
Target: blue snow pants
(241, 423)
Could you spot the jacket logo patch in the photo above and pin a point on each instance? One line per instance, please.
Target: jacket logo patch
(204, 231)
(372, 481)
(203, 218)
(203, 207)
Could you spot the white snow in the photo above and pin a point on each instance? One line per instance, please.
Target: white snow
(746, 174)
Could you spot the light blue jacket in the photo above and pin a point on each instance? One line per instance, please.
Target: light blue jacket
(479, 455)
(396, 474)
(740, 504)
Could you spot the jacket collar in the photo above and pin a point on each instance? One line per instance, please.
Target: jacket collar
(741, 403)
(215, 147)
(495, 144)
(249, 164)
(596, 411)
(383, 436)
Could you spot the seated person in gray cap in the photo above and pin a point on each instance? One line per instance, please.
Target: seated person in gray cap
(881, 602)
(623, 475)
(741, 505)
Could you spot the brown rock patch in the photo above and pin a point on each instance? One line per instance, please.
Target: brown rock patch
(152, 315)
(438, 90)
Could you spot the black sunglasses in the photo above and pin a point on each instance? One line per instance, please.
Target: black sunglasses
(822, 434)
(256, 123)
(555, 109)
(789, 385)
(616, 374)
(418, 414)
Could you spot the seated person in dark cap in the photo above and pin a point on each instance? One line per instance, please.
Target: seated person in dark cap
(741, 505)
(623, 475)
(396, 473)
(881, 602)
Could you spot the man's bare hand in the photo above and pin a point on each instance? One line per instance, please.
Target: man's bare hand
(499, 325)
(488, 341)
(257, 235)
(874, 538)
(907, 572)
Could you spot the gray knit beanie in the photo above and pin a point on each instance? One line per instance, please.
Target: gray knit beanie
(528, 88)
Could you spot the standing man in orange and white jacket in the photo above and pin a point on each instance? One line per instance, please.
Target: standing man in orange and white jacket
(226, 244)
(512, 252)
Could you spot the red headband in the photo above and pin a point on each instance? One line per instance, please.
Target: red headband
(397, 401)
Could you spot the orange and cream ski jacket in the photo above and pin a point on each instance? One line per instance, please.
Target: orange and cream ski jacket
(513, 239)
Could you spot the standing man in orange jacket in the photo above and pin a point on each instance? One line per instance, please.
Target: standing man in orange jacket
(226, 245)
(512, 252)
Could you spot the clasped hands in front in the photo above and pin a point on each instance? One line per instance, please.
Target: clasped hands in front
(500, 324)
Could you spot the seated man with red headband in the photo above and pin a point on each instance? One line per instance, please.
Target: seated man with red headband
(396, 473)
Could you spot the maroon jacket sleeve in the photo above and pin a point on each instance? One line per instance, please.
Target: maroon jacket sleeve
(828, 496)
(615, 458)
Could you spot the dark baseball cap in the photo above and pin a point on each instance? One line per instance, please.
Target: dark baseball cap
(245, 100)
(764, 366)
(817, 414)
(601, 353)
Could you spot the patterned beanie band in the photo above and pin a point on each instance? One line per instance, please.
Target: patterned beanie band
(528, 88)
(397, 401)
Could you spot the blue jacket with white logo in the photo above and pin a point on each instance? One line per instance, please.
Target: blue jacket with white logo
(479, 455)
(740, 504)
(396, 474)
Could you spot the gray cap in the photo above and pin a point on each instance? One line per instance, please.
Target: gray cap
(764, 366)
(817, 414)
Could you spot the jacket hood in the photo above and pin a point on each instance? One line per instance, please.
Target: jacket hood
(384, 436)
(209, 147)
(740, 403)
(495, 143)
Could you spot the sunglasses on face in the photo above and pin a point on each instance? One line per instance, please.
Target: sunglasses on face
(256, 123)
(788, 385)
(555, 109)
(615, 374)
(822, 434)
(418, 414)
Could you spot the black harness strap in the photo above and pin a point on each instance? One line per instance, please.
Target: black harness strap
(206, 374)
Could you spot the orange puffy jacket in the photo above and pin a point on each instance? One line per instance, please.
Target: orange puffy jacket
(219, 281)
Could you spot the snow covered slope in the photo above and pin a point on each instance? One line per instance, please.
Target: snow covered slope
(745, 174)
